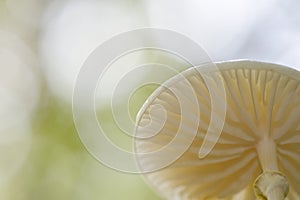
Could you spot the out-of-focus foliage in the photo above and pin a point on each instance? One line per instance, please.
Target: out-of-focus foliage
(59, 167)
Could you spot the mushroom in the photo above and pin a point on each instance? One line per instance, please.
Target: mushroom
(257, 154)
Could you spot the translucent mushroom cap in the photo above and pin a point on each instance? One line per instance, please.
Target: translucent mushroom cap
(262, 104)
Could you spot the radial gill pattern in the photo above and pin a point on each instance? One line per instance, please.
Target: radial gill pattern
(262, 101)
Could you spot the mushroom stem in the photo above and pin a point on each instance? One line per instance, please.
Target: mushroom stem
(266, 150)
(271, 184)
(276, 194)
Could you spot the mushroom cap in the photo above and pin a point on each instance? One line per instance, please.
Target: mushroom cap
(262, 100)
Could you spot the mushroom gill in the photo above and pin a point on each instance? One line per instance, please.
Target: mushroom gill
(258, 152)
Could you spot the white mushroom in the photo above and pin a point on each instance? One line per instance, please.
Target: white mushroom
(258, 152)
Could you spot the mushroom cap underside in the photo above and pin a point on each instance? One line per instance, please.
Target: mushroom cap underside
(262, 101)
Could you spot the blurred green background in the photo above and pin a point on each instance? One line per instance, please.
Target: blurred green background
(43, 44)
